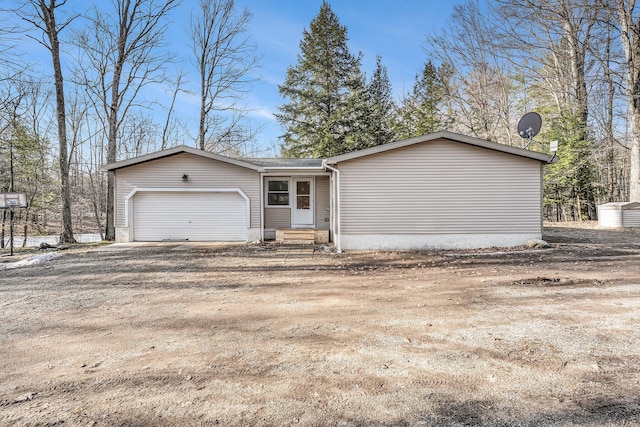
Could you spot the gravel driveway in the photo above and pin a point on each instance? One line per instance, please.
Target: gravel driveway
(247, 335)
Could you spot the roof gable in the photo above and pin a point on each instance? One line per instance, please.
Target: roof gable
(177, 150)
(442, 135)
(263, 165)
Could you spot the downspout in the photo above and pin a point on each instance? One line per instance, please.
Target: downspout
(261, 204)
(337, 229)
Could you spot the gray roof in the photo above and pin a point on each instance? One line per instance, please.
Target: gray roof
(259, 165)
(262, 165)
(286, 163)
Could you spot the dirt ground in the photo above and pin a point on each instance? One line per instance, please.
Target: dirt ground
(196, 334)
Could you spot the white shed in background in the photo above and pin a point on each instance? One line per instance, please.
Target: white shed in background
(619, 214)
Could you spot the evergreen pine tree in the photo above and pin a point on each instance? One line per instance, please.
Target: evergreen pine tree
(322, 89)
(571, 181)
(358, 114)
(420, 113)
(381, 106)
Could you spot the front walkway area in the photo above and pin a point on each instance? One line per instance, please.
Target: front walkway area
(285, 250)
(239, 336)
(173, 246)
(295, 250)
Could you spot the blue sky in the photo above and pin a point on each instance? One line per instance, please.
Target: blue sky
(396, 30)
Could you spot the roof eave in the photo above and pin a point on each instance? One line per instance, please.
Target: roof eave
(178, 150)
(443, 135)
(268, 168)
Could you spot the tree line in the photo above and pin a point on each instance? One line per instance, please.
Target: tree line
(92, 108)
(576, 62)
(332, 108)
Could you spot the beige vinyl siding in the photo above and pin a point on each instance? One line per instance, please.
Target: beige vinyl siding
(440, 187)
(631, 218)
(277, 217)
(322, 203)
(167, 172)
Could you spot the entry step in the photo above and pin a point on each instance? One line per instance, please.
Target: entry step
(295, 236)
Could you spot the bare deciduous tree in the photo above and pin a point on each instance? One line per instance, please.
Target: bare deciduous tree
(481, 80)
(549, 41)
(168, 130)
(224, 58)
(122, 55)
(24, 151)
(557, 34)
(44, 18)
(628, 20)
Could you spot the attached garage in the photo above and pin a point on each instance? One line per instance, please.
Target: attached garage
(196, 216)
(186, 194)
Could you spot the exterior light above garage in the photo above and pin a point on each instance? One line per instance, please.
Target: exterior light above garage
(185, 177)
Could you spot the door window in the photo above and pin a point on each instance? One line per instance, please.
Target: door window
(303, 195)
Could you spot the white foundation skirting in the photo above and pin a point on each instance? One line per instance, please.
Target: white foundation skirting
(433, 241)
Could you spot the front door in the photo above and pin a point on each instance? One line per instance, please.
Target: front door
(302, 212)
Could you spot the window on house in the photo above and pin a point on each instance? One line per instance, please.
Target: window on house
(278, 192)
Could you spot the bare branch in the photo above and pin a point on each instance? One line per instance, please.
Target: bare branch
(224, 58)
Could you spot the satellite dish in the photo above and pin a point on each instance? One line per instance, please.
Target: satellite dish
(529, 125)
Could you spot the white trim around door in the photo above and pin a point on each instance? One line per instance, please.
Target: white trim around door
(303, 202)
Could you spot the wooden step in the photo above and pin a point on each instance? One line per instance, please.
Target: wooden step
(295, 236)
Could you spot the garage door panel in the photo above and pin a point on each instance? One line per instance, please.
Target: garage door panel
(189, 216)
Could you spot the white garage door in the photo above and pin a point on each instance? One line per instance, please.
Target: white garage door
(200, 217)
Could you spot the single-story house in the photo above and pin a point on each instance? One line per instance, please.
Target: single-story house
(442, 190)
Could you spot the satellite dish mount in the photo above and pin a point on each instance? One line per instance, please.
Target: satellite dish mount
(529, 126)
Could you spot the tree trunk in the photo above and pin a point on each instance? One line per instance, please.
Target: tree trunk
(203, 115)
(48, 13)
(634, 161)
(579, 207)
(112, 141)
(610, 142)
(94, 202)
(577, 53)
(24, 239)
(631, 44)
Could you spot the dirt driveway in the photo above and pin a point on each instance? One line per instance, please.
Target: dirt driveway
(247, 335)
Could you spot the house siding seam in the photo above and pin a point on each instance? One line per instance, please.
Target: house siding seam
(202, 173)
(440, 187)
